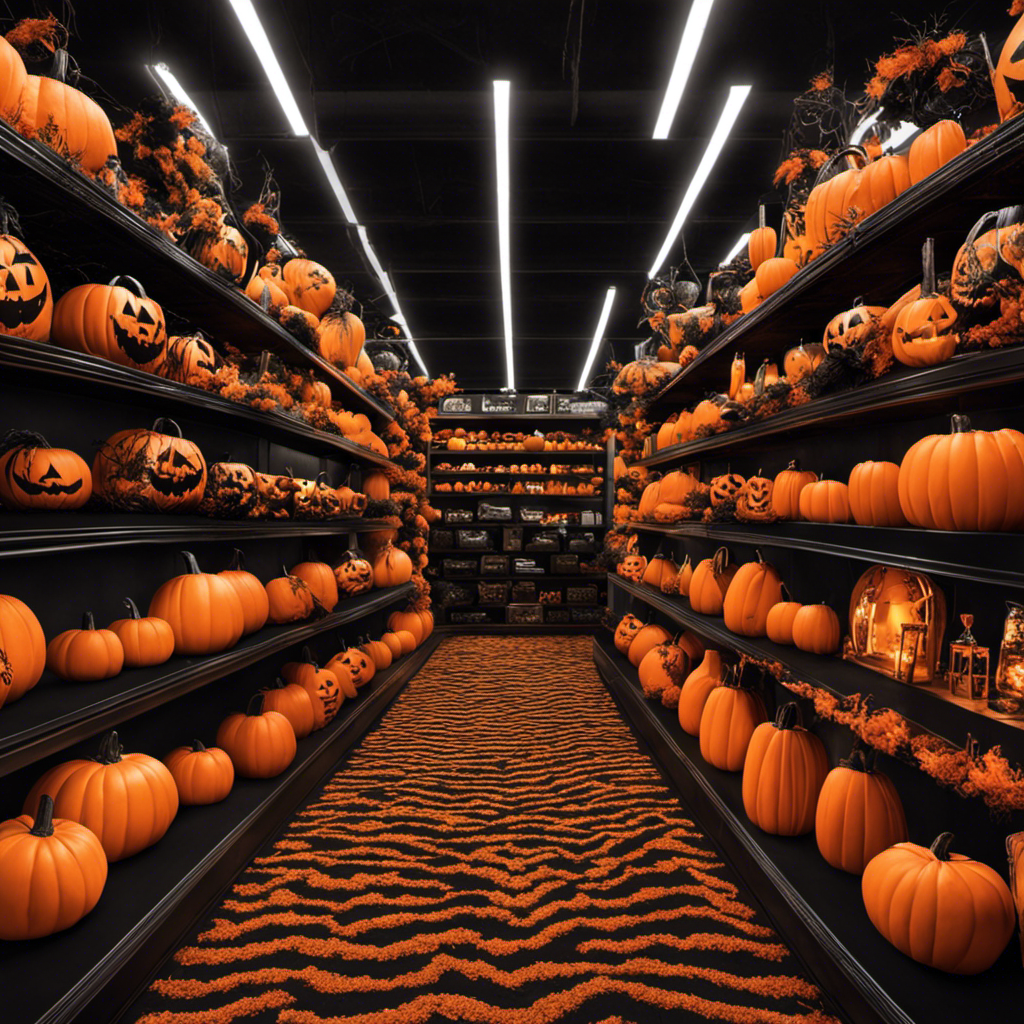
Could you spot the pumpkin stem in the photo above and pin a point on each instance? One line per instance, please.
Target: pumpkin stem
(794, 465)
(277, 684)
(255, 705)
(22, 438)
(43, 825)
(720, 561)
(133, 608)
(321, 477)
(988, 57)
(760, 216)
(760, 557)
(88, 622)
(265, 298)
(941, 845)
(788, 716)
(190, 563)
(928, 269)
(110, 749)
(264, 365)
(160, 426)
(139, 290)
(959, 423)
(860, 758)
(307, 655)
(784, 590)
(59, 66)
(237, 560)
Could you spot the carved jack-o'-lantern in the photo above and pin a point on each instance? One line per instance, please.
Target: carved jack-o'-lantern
(852, 326)
(726, 488)
(231, 491)
(353, 574)
(26, 301)
(33, 475)
(190, 359)
(150, 470)
(275, 495)
(632, 567)
(111, 321)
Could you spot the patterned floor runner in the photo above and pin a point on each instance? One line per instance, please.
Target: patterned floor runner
(499, 850)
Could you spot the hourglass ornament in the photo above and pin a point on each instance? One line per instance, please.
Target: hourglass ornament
(968, 664)
(913, 636)
(1008, 695)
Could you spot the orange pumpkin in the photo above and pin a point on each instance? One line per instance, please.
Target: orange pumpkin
(647, 637)
(658, 568)
(925, 330)
(319, 577)
(696, 689)
(762, 243)
(260, 743)
(773, 274)
(778, 626)
(290, 598)
(144, 641)
(816, 629)
(663, 668)
(626, 631)
(803, 359)
(322, 685)
(292, 701)
(392, 567)
(731, 714)
(852, 326)
(753, 591)
(786, 490)
(934, 147)
(24, 648)
(874, 494)
(251, 593)
(85, 655)
(310, 285)
(825, 501)
(202, 775)
(881, 181)
(710, 582)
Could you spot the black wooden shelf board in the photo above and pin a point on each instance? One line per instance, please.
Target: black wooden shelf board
(940, 552)
(519, 577)
(151, 900)
(903, 394)
(932, 708)
(95, 221)
(56, 714)
(463, 474)
(532, 526)
(76, 372)
(540, 418)
(518, 454)
(817, 909)
(44, 533)
(878, 260)
(596, 499)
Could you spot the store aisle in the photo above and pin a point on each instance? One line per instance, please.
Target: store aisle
(499, 850)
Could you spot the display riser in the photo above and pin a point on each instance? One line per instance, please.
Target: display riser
(817, 909)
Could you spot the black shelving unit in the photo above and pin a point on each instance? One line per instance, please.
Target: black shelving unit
(151, 900)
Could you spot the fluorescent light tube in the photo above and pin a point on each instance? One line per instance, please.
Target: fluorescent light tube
(733, 105)
(696, 22)
(174, 87)
(502, 90)
(253, 28)
(595, 345)
(740, 242)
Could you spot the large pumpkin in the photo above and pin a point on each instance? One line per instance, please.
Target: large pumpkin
(22, 649)
(1008, 78)
(859, 814)
(149, 470)
(12, 80)
(127, 800)
(658, 569)
(874, 494)
(392, 567)
(787, 487)
(783, 772)
(964, 480)
(710, 583)
(231, 491)
(203, 775)
(225, 253)
(26, 297)
(940, 908)
(310, 285)
(35, 476)
(114, 322)
(251, 593)
(731, 714)
(52, 873)
(697, 688)
(340, 338)
(852, 326)
(319, 577)
(647, 637)
(825, 501)
(751, 594)
(881, 181)
(204, 611)
(261, 744)
(934, 147)
(290, 598)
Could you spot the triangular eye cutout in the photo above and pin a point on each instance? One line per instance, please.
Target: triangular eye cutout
(51, 474)
(128, 311)
(29, 279)
(1018, 54)
(22, 257)
(144, 316)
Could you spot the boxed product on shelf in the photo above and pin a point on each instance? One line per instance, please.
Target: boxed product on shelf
(511, 538)
(565, 564)
(591, 518)
(527, 565)
(451, 595)
(494, 565)
(551, 596)
(581, 595)
(458, 515)
(494, 513)
(477, 540)
(524, 614)
(556, 614)
(442, 538)
(459, 566)
(544, 540)
(531, 515)
(469, 618)
(584, 616)
(492, 592)
(585, 543)
(524, 592)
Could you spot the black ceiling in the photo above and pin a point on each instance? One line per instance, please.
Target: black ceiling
(401, 91)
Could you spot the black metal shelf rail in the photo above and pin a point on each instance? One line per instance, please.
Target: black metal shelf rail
(878, 259)
(44, 533)
(95, 221)
(515, 453)
(593, 499)
(529, 526)
(520, 628)
(151, 900)
(29, 729)
(932, 709)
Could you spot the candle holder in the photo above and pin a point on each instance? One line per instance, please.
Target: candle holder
(912, 637)
(1007, 696)
(968, 664)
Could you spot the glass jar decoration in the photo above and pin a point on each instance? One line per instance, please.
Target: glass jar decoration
(1008, 695)
(968, 664)
(912, 639)
(884, 600)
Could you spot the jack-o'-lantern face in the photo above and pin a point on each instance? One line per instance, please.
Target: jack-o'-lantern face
(190, 359)
(138, 329)
(759, 493)
(35, 476)
(275, 495)
(26, 301)
(632, 567)
(354, 575)
(726, 487)
(231, 491)
(175, 474)
(353, 666)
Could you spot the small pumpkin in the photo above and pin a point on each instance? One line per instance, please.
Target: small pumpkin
(292, 701)
(632, 567)
(53, 872)
(778, 625)
(145, 641)
(260, 743)
(711, 580)
(697, 688)
(406, 640)
(937, 907)
(319, 577)
(290, 598)
(647, 637)
(754, 502)
(802, 360)
(752, 592)
(225, 253)
(202, 775)
(22, 649)
(408, 619)
(750, 297)
(392, 567)
(35, 476)
(737, 375)
(354, 575)
(825, 501)
(731, 714)
(783, 772)
(127, 800)
(726, 487)
(626, 631)
(762, 243)
(658, 569)
(340, 338)
(934, 147)
(874, 494)
(85, 655)
(925, 329)
(859, 813)
(354, 669)
(684, 578)
(394, 644)
(787, 487)
(251, 593)
(190, 359)
(322, 685)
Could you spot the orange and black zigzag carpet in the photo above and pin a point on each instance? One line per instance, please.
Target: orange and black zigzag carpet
(498, 850)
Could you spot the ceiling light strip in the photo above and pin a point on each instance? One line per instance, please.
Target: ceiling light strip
(253, 28)
(733, 105)
(595, 345)
(502, 90)
(171, 84)
(740, 243)
(696, 22)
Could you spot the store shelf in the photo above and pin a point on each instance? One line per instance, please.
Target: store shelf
(878, 260)
(61, 370)
(585, 577)
(932, 708)
(463, 474)
(57, 714)
(529, 526)
(817, 909)
(516, 629)
(512, 452)
(990, 558)
(593, 499)
(903, 395)
(43, 533)
(93, 221)
(538, 419)
(91, 971)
